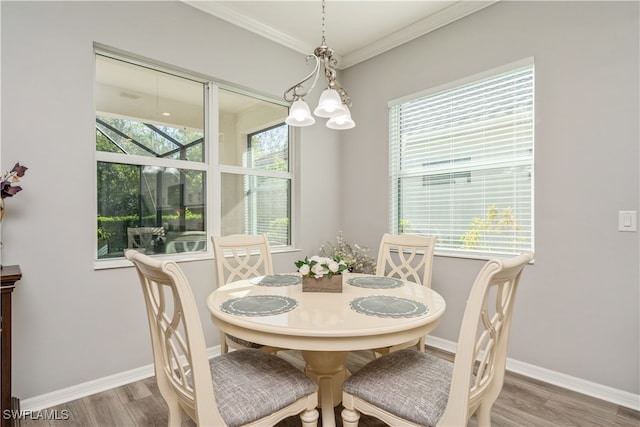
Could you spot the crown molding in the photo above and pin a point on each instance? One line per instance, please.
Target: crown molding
(431, 23)
(257, 27)
(446, 16)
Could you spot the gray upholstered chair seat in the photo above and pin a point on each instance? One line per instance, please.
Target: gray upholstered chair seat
(244, 382)
(243, 343)
(420, 384)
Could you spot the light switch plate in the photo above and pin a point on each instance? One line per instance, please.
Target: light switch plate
(627, 221)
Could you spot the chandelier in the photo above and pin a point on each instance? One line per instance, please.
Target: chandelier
(334, 101)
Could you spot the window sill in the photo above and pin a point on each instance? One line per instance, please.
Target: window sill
(109, 264)
(479, 257)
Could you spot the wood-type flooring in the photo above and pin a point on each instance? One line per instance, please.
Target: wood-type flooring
(523, 402)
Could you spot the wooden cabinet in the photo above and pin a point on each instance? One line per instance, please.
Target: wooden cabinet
(10, 275)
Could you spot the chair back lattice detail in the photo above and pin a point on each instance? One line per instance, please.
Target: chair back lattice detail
(241, 256)
(180, 357)
(479, 366)
(406, 257)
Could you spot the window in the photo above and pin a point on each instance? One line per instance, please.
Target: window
(151, 160)
(255, 169)
(461, 164)
(159, 189)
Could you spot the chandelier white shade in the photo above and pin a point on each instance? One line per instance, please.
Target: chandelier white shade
(299, 114)
(334, 101)
(330, 104)
(341, 122)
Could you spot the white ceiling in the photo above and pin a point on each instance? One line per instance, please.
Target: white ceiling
(356, 29)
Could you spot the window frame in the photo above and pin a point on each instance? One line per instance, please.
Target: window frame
(395, 153)
(210, 166)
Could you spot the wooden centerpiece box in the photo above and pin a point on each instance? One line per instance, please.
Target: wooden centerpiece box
(322, 274)
(322, 284)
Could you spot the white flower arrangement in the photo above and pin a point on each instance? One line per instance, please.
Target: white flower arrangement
(355, 256)
(317, 266)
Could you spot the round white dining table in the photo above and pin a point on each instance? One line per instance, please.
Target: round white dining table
(370, 312)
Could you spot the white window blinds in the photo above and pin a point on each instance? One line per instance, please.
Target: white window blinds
(461, 164)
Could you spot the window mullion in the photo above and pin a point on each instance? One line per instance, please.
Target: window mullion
(239, 170)
(131, 159)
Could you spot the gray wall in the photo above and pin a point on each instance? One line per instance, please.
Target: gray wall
(577, 310)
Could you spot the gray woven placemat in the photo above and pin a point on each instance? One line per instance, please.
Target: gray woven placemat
(279, 280)
(259, 305)
(388, 306)
(375, 282)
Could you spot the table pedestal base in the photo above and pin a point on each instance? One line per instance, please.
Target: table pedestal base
(328, 371)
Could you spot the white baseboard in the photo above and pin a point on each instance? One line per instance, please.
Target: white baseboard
(599, 391)
(588, 388)
(79, 391)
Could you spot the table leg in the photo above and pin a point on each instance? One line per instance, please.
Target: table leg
(327, 369)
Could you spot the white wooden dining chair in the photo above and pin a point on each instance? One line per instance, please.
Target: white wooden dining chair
(407, 387)
(240, 257)
(246, 387)
(406, 257)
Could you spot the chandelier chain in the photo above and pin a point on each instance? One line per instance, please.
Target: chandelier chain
(324, 43)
